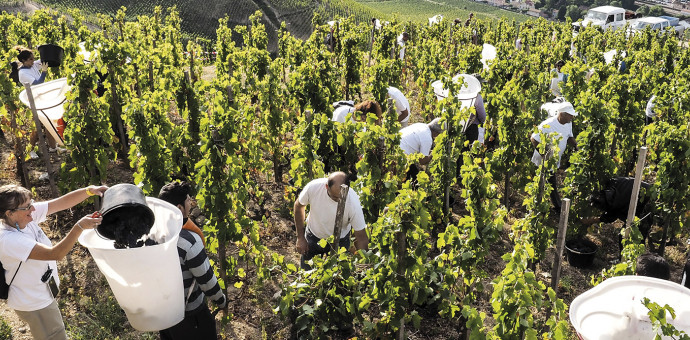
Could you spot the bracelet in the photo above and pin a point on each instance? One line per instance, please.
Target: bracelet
(88, 192)
(79, 225)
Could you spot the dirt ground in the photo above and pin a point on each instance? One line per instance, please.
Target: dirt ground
(252, 306)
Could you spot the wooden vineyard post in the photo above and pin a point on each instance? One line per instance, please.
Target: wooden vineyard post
(338, 227)
(542, 179)
(137, 86)
(560, 243)
(371, 41)
(231, 94)
(116, 111)
(446, 182)
(151, 74)
(42, 144)
(506, 187)
(18, 149)
(402, 245)
(191, 76)
(636, 190)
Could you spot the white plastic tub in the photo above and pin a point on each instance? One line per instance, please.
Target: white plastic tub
(49, 98)
(146, 281)
(613, 310)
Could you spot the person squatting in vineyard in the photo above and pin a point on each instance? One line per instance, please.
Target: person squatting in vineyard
(402, 39)
(561, 123)
(556, 78)
(652, 265)
(402, 106)
(197, 274)
(34, 72)
(418, 138)
(469, 96)
(29, 257)
(614, 200)
(359, 111)
(322, 196)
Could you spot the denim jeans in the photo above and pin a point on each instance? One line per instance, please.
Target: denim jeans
(316, 249)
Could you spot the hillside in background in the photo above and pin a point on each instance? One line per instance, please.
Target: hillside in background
(421, 10)
(200, 19)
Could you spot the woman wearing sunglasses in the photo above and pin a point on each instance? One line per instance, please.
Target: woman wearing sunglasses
(29, 257)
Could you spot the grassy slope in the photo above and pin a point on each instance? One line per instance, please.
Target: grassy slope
(202, 20)
(421, 10)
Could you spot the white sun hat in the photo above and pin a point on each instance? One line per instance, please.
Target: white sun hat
(567, 108)
(468, 92)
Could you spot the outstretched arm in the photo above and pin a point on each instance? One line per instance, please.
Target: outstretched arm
(73, 198)
(57, 252)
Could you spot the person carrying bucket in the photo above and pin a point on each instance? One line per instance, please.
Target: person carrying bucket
(197, 274)
(30, 70)
(29, 257)
(33, 72)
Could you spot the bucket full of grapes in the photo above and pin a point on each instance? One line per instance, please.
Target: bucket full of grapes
(145, 277)
(127, 218)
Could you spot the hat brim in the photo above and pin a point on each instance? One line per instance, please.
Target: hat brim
(469, 90)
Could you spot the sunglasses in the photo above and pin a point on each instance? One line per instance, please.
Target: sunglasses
(31, 205)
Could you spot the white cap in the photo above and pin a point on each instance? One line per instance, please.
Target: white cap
(468, 92)
(567, 108)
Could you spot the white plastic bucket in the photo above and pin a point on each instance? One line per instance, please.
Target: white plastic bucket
(613, 310)
(49, 98)
(146, 281)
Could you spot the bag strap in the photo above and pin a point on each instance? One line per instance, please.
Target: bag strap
(191, 289)
(15, 275)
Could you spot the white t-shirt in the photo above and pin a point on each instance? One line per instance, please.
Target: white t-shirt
(27, 292)
(322, 210)
(30, 75)
(649, 110)
(401, 103)
(340, 113)
(555, 90)
(416, 138)
(565, 130)
(401, 43)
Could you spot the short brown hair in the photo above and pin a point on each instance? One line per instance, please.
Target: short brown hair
(11, 197)
(24, 53)
(369, 106)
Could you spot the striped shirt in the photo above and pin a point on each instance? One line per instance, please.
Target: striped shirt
(197, 269)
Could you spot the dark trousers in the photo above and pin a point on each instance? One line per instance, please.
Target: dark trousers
(555, 196)
(199, 325)
(316, 249)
